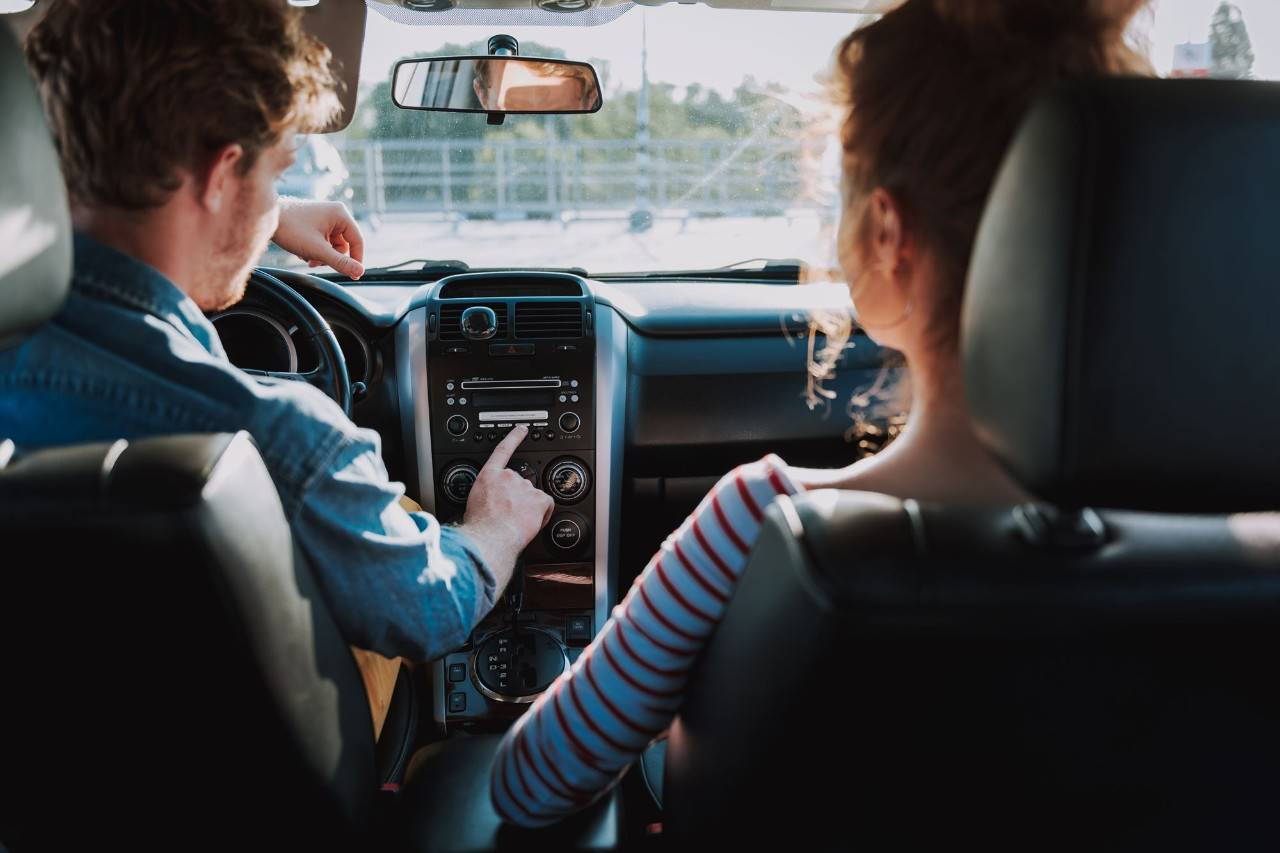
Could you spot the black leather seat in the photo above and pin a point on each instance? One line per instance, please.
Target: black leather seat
(892, 675)
(170, 676)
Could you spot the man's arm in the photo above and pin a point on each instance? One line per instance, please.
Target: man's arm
(399, 583)
(502, 509)
(322, 233)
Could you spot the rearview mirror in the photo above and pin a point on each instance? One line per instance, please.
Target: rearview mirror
(496, 84)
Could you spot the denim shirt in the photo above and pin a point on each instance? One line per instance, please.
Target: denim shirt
(130, 355)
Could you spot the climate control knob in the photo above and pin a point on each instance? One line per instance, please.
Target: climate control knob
(458, 480)
(567, 480)
(569, 422)
(457, 425)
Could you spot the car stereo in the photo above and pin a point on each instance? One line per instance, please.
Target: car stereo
(494, 363)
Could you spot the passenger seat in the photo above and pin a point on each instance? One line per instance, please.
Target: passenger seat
(1093, 671)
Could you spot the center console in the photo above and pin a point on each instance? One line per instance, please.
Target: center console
(485, 352)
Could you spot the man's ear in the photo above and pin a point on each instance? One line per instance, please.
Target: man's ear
(221, 178)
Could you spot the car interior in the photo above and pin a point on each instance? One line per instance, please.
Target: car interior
(1088, 671)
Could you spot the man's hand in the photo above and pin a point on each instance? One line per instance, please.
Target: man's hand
(322, 233)
(504, 510)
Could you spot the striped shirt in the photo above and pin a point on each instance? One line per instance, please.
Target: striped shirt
(587, 728)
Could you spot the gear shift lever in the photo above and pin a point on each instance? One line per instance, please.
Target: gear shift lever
(521, 661)
(514, 594)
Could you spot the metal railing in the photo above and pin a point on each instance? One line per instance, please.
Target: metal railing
(551, 179)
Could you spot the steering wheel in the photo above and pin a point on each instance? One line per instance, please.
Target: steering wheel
(330, 375)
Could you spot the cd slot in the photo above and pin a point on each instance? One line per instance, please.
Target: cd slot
(509, 384)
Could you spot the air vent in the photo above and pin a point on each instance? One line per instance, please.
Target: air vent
(451, 316)
(548, 320)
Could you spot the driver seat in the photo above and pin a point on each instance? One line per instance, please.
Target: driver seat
(172, 677)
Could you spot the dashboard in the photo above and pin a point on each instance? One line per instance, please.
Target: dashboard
(638, 397)
(255, 339)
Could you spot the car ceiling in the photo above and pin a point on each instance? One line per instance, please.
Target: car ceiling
(340, 24)
(405, 11)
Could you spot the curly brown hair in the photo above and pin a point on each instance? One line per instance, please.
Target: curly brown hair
(934, 91)
(931, 94)
(137, 91)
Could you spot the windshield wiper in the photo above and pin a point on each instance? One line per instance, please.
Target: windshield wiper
(786, 270)
(441, 267)
(435, 270)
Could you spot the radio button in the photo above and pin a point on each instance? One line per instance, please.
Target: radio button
(549, 436)
(477, 436)
(573, 383)
(569, 422)
(573, 398)
(450, 401)
(535, 435)
(457, 425)
(564, 399)
(493, 435)
(462, 401)
(448, 386)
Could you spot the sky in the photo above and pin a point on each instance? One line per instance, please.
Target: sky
(718, 47)
(1172, 21)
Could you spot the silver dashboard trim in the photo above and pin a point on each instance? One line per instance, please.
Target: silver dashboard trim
(415, 404)
(364, 347)
(610, 403)
(415, 409)
(270, 321)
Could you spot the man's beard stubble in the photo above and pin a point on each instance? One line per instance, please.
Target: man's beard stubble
(236, 249)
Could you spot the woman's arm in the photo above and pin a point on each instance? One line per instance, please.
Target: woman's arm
(586, 729)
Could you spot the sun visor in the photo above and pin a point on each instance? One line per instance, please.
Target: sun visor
(340, 26)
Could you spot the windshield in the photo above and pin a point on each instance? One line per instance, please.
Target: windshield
(710, 150)
(705, 152)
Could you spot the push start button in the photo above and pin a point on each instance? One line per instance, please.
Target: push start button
(566, 533)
